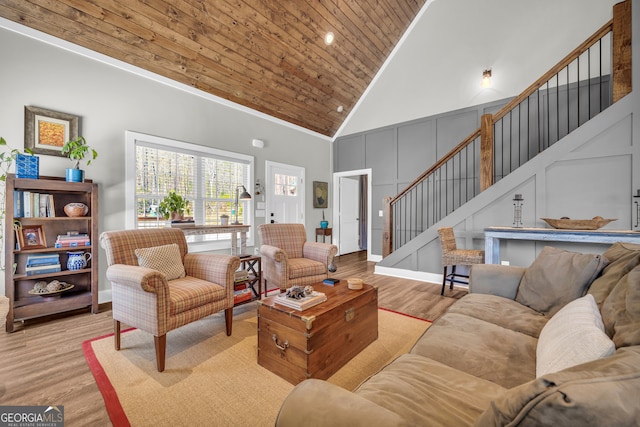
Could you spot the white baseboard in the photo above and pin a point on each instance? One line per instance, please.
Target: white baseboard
(421, 276)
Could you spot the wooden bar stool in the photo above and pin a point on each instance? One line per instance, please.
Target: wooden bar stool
(452, 256)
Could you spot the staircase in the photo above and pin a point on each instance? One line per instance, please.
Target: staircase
(564, 100)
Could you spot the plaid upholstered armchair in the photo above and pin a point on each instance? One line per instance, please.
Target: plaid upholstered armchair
(157, 286)
(289, 260)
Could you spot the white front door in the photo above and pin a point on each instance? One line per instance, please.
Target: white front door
(284, 193)
(349, 215)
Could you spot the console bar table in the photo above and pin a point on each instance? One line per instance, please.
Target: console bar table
(493, 235)
(196, 230)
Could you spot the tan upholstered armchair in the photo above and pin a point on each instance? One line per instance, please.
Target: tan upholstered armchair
(289, 260)
(157, 286)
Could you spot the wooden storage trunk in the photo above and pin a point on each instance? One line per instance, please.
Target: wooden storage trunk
(316, 342)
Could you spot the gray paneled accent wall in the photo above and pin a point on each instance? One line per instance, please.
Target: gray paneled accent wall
(398, 154)
(590, 172)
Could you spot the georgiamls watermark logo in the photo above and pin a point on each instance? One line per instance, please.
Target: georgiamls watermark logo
(31, 416)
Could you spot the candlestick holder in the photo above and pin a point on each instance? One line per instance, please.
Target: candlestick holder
(518, 201)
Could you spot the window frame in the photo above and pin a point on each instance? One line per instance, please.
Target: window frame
(133, 139)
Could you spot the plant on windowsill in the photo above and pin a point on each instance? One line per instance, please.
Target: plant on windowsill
(173, 206)
(77, 149)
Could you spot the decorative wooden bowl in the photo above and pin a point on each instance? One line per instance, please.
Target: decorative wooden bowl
(76, 209)
(578, 224)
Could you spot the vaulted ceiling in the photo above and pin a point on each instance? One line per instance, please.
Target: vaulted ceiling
(268, 55)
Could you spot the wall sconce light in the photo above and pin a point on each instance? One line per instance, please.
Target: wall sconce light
(486, 78)
(240, 196)
(518, 201)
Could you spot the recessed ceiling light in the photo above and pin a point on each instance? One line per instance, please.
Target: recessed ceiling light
(340, 108)
(329, 38)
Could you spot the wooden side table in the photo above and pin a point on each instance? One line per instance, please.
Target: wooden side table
(324, 232)
(253, 266)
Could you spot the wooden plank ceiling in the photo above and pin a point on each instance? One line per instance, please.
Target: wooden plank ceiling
(268, 55)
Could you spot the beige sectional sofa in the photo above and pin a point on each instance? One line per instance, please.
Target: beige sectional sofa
(557, 343)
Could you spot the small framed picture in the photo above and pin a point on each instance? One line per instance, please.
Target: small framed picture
(46, 131)
(32, 237)
(320, 194)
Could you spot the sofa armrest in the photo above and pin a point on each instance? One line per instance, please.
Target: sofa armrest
(319, 403)
(140, 278)
(321, 252)
(494, 279)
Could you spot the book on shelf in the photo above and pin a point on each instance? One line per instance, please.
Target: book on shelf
(43, 205)
(26, 196)
(34, 260)
(18, 204)
(35, 204)
(43, 269)
(73, 243)
(301, 304)
(241, 276)
(30, 204)
(51, 207)
(241, 295)
(72, 240)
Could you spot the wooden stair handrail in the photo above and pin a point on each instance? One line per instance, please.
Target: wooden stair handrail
(606, 28)
(438, 164)
(512, 104)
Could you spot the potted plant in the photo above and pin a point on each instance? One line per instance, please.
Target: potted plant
(173, 206)
(8, 157)
(77, 149)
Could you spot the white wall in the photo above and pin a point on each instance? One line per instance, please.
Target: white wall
(110, 101)
(438, 66)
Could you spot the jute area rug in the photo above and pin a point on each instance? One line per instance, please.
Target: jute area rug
(212, 379)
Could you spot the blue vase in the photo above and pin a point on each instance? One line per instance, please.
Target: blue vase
(75, 175)
(324, 224)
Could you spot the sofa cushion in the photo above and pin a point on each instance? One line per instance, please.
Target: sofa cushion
(502, 312)
(557, 277)
(599, 393)
(303, 267)
(166, 259)
(420, 389)
(480, 348)
(621, 310)
(623, 257)
(573, 336)
(188, 293)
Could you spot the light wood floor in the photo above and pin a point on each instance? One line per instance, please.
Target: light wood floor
(42, 363)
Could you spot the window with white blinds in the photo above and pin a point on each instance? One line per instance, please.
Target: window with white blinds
(208, 178)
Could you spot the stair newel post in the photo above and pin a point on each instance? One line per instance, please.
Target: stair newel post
(621, 50)
(486, 151)
(387, 228)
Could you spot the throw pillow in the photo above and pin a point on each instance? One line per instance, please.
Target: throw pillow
(166, 259)
(623, 257)
(575, 335)
(621, 310)
(557, 277)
